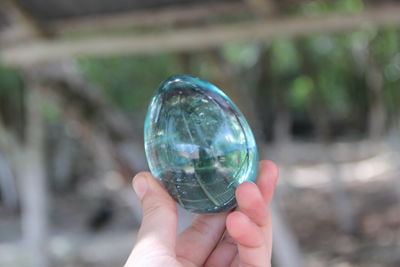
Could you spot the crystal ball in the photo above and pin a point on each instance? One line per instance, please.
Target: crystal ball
(199, 144)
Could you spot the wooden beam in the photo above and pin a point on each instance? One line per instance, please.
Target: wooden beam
(147, 17)
(195, 39)
(22, 17)
(265, 8)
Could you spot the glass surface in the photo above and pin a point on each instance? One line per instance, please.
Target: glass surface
(198, 144)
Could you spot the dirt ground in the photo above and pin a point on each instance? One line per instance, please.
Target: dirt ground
(375, 240)
(372, 241)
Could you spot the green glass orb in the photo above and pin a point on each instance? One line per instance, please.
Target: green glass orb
(198, 144)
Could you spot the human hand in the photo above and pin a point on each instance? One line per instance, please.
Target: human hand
(247, 241)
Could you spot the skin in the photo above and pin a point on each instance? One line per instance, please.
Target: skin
(238, 238)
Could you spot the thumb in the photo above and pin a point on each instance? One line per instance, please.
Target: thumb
(159, 221)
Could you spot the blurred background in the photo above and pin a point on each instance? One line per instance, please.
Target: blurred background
(319, 82)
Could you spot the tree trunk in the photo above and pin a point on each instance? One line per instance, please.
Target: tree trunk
(62, 160)
(377, 112)
(394, 142)
(7, 185)
(34, 196)
(282, 136)
(10, 152)
(286, 250)
(340, 198)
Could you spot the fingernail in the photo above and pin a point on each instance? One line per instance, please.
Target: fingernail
(140, 186)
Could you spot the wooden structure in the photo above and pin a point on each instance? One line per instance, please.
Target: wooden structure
(32, 32)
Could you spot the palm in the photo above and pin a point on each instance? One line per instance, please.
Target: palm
(241, 237)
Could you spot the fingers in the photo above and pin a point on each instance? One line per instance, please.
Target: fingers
(195, 244)
(251, 227)
(267, 178)
(223, 253)
(253, 203)
(159, 221)
(250, 240)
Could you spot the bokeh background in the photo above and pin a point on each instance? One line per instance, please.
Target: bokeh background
(319, 82)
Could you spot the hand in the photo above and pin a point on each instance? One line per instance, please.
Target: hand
(247, 242)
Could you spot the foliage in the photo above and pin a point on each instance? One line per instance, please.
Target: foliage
(129, 81)
(329, 67)
(10, 82)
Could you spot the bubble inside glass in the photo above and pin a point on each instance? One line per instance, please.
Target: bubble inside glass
(198, 144)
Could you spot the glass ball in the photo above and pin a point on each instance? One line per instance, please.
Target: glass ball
(198, 144)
